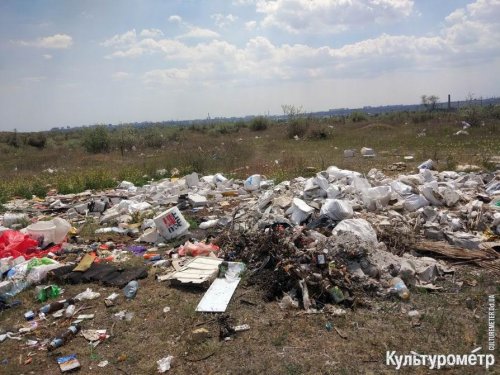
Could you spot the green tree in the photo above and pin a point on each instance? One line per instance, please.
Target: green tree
(96, 139)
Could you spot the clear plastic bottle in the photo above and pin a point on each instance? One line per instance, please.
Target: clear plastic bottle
(64, 337)
(399, 287)
(130, 289)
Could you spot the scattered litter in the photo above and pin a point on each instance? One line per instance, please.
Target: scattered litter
(164, 364)
(199, 270)
(68, 363)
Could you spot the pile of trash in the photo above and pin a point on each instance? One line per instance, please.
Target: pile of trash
(335, 238)
(327, 243)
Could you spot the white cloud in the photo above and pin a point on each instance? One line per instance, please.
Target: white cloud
(175, 18)
(47, 56)
(199, 32)
(469, 36)
(250, 25)
(121, 40)
(222, 21)
(151, 33)
(243, 2)
(120, 76)
(57, 41)
(331, 16)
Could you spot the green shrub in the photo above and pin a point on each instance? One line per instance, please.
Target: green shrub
(96, 140)
(259, 123)
(357, 116)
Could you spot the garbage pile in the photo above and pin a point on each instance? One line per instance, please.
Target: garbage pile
(339, 237)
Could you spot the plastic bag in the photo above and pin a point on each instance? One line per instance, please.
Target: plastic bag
(87, 295)
(429, 164)
(197, 249)
(37, 262)
(299, 211)
(37, 274)
(377, 197)
(359, 227)
(431, 193)
(15, 244)
(414, 201)
(51, 291)
(337, 209)
(401, 188)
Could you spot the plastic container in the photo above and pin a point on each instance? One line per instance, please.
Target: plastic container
(130, 289)
(399, 287)
(62, 229)
(43, 231)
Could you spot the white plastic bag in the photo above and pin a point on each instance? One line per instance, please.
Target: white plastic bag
(431, 193)
(359, 227)
(414, 201)
(400, 188)
(337, 209)
(377, 197)
(299, 211)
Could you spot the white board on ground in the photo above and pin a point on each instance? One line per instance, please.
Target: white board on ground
(218, 295)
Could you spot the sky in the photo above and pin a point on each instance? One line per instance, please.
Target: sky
(82, 62)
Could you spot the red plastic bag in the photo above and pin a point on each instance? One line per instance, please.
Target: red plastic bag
(16, 244)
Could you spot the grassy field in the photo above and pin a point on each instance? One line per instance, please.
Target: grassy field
(238, 150)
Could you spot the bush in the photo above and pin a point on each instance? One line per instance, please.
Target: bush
(259, 123)
(318, 131)
(357, 116)
(297, 127)
(39, 141)
(96, 140)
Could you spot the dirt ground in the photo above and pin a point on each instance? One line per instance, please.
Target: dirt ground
(453, 321)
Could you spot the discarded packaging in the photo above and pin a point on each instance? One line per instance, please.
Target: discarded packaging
(68, 363)
(171, 223)
(164, 364)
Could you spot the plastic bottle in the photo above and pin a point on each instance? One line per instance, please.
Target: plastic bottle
(64, 337)
(56, 306)
(130, 289)
(70, 310)
(399, 287)
(17, 287)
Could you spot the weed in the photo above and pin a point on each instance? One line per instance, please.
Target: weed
(292, 369)
(193, 224)
(280, 340)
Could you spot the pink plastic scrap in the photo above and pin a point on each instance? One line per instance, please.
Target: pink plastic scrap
(197, 249)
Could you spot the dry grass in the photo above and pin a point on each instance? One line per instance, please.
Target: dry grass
(278, 342)
(236, 150)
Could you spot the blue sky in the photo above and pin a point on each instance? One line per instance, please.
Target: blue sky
(76, 62)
